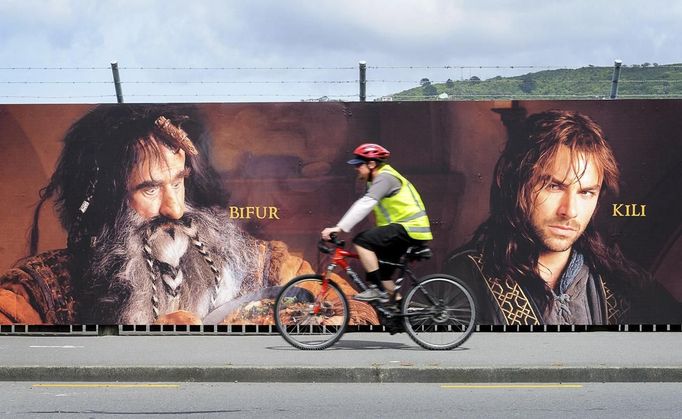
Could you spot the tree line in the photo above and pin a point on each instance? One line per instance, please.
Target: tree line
(644, 80)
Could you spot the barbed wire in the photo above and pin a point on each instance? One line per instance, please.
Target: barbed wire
(602, 80)
(651, 81)
(376, 67)
(177, 68)
(517, 80)
(172, 95)
(398, 98)
(515, 67)
(57, 97)
(53, 68)
(233, 95)
(511, 79)
(466, 81)
(189, 82)
(465, 67)
(394, 97)
(496, 95)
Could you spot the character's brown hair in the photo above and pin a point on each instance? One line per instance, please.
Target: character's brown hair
(520, 171)
(509, 246)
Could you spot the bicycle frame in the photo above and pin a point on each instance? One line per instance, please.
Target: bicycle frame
(389, 309)
(339, 260)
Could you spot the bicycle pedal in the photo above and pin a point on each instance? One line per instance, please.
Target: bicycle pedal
(394, 327)
(393, 308)
(394, 331)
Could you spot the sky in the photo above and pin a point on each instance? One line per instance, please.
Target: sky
(60, 51)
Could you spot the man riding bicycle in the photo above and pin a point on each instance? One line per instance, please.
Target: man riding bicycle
(400, 218)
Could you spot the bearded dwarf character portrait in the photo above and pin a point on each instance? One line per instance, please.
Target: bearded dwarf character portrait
(149, 238)
(539, 258)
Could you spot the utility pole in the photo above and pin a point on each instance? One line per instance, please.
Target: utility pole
(614, 80)
(363, 81)
(117, 82)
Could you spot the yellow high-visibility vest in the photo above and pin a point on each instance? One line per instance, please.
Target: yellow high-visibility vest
(405, 208)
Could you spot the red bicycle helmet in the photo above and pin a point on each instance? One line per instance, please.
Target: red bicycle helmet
(369, 151)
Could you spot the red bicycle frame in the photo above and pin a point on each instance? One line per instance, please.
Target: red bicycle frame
(339, 258)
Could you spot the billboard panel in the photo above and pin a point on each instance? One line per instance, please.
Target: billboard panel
(266, 179)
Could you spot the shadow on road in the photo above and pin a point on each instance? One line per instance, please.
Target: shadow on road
(365, 345)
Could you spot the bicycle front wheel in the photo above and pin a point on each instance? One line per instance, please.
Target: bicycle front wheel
(439, 312)
(311, 314)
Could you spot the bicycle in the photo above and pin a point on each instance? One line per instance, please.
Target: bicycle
(438, 312)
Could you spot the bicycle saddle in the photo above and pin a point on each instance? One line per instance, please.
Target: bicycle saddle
(419, 252)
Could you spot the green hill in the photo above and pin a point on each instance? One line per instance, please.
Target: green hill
(636, 81)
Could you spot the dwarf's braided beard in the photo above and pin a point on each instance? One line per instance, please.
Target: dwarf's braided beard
(142, 269)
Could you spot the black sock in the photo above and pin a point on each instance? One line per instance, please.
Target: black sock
(375, 278)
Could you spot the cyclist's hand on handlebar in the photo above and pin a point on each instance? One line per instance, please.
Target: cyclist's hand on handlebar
(327, 232)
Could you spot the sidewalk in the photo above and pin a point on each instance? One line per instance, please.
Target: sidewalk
(358, 357)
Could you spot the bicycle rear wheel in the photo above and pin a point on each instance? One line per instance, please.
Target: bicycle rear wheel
(310, 316)
(439, 312)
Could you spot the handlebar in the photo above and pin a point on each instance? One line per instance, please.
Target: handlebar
(334, 239)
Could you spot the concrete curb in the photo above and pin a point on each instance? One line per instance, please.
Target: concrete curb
(375, 374)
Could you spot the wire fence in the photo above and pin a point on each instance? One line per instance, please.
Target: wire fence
(337, 83)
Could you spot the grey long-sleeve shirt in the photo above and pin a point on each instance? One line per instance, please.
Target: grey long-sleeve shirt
(383, 185)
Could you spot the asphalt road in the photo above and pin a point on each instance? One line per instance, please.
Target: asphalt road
(358, 357)
(277, 400)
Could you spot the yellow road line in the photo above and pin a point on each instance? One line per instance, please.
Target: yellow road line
(110, 385)
(495, 386)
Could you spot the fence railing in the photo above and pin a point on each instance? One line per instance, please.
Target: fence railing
(340, 83)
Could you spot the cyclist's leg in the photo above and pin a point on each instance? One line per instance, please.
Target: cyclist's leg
(368, 258)
(387, 243)
(370, 262)
(367, 243)
(393, 252)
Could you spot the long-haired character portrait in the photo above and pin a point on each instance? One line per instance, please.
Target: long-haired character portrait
(539, 258)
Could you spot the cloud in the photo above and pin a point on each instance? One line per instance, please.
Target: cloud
(326, 33)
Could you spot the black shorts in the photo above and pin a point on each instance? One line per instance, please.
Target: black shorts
(389, 243)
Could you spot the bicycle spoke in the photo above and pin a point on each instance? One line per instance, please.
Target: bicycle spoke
(309, 318)
(439, 313)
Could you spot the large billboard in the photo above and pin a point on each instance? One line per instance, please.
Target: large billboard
(190, 214)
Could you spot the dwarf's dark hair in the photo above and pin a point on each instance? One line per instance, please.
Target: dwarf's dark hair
(100, 151)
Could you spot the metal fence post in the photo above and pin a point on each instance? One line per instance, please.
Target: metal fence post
(616, 76)
(117, 82)
(363, 81)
